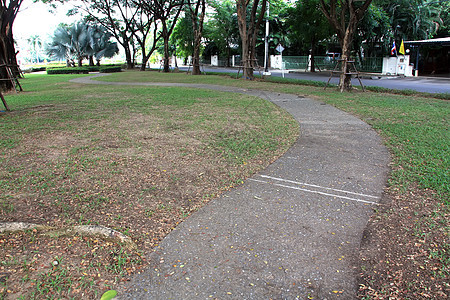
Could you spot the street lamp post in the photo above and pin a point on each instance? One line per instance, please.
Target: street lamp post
(266, 45)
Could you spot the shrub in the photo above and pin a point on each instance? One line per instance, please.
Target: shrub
(93, 68)
(76, 70)
(38, 69)
(110, 69)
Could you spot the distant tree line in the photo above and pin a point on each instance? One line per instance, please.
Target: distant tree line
(141, 27)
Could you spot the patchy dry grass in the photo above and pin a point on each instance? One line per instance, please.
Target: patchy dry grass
(93, 149)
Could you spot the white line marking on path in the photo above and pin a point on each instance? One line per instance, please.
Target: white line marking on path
(318, 186)
(315, 192)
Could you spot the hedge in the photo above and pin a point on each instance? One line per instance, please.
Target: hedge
(76, 70)
(110, 69)
(84, 70)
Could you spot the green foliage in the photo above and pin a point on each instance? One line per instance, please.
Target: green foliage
(80, 41)
(413, 19)
(84, 70)
(222, 31)
(110, 69)
(375, 32)
(38, 69)
(313, 28)
(108, 295)
(182, 36)
(70, 70)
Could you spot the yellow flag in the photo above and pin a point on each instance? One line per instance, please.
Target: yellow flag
(402, 48)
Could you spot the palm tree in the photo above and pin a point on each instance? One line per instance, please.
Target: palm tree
(81, 41)
(61, 45)
(36, 44)
(100, 44)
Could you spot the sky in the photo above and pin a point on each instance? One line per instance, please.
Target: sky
(35, 19)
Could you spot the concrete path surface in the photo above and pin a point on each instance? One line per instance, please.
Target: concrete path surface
(291, 232)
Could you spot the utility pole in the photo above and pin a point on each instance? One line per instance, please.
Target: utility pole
(266, 45)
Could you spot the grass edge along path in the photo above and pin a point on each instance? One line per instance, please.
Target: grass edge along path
(405, 251)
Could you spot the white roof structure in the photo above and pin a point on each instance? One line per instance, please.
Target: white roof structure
(442, 41)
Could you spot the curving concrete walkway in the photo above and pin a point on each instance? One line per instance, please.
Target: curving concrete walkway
(290, 232)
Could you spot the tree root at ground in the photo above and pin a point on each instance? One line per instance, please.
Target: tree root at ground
(85, 230)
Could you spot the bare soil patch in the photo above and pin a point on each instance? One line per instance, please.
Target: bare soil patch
(405, 248)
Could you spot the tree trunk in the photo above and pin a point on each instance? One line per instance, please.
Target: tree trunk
(246, 60)
(248, 29)
(345, 81)
(80, 61)
(228, 55)
(8, 57)
(197, 17)
(91, 60)
(7, 49)
(144, 61)
(128, 57)
(166, 36)
(344, 16)
(196, 60)
(166, 55)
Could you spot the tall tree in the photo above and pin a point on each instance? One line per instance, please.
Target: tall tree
(60, 46)
(147, 30)
(197, 10)
(166, 12)
(8, 13)
(250, 15)
(36, 44)
(344, 16)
